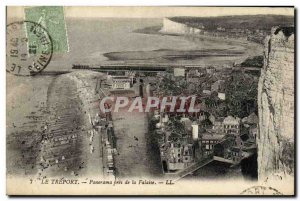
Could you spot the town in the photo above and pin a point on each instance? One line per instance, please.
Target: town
(223, 127)
(217, 132)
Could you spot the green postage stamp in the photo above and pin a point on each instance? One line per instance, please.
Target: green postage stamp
(52, 19)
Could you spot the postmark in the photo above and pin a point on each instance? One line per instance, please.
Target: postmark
(261, 190)
(29, 48)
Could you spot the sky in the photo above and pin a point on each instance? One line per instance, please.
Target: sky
(159, 12)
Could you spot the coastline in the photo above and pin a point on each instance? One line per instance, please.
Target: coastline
(209, 50)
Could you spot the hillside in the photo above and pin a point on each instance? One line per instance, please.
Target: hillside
(250, 22)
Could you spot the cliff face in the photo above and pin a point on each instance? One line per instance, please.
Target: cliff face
(172, 27)
(276, 107)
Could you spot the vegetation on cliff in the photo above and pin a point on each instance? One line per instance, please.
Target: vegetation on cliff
(253, 22)
(256, 61)
(241, 95)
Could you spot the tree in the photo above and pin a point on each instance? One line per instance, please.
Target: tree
(241, 94)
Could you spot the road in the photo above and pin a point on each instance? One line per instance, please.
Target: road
(138, 154)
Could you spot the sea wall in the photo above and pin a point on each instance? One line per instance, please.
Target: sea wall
(276, 107)
(172, 27)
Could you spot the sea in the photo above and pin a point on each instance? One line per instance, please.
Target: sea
(90, 38)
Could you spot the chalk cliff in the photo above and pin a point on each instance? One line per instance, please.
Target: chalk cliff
(172, 27)
(276, 107)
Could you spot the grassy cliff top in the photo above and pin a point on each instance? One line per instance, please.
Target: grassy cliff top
(251, 22)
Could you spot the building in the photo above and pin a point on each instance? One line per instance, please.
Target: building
(193, 80)
(251, 119)
(218, 126)
(253, 131)
(236, 153)
(232, 125)
(203, 115)
(193, 76)
(223, 148)
(221, 96)
(250, 124)
(179, 72)
(210, 70)
(187, 123)
(176, 156)
(187, 155)
(195, 131)
(206, 92)
(174, 153)
(218, 86)
(221, 29)
(208, 141)
(121, 82)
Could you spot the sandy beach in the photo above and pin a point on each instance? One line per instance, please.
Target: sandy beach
(52, 134)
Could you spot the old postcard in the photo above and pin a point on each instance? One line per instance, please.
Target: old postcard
(150, 100)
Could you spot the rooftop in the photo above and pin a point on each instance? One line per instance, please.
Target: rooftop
(231, 120)
(209, 136)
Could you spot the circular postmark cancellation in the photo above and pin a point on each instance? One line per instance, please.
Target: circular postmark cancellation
(29, 48)
(261, 190)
